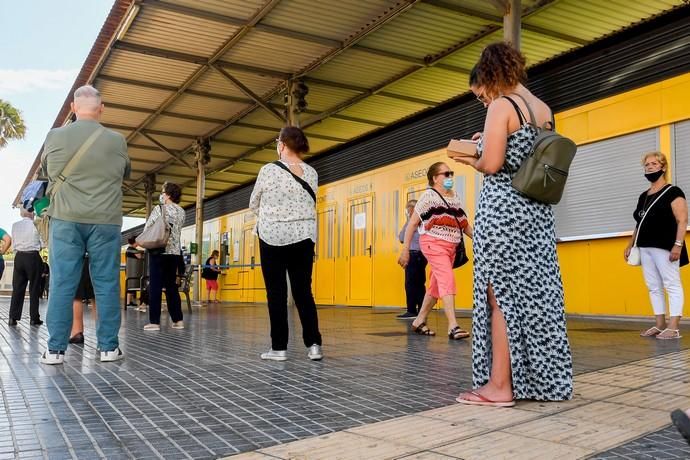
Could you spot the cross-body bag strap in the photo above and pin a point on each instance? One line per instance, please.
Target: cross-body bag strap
(72, 163)
(301, 181)
(449, 208)
(637, 232)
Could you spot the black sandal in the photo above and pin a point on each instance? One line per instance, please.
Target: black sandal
(422, 330)
(458, 334)
(77, 338)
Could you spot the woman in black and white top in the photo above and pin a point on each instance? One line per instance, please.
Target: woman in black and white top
(163, 266)
(661, 241)
(283, 200)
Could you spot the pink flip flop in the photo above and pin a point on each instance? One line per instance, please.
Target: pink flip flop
(483, 400)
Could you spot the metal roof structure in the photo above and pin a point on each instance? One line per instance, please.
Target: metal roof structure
(173, 71)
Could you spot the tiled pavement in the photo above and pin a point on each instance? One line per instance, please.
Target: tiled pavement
(202, 392)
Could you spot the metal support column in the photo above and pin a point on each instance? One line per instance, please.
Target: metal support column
(149, 188)
(512, 23)
(203, 156)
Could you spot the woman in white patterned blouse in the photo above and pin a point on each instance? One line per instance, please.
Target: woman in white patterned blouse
(284, 201)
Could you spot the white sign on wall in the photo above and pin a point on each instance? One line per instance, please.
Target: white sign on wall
(236, 251)
(360, 221)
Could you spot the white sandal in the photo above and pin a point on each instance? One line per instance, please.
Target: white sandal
(651, 332)
(676, 335)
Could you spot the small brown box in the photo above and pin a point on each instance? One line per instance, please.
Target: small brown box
(462, 148)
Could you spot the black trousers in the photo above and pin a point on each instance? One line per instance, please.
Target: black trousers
(162, 273)
(295, 260)
(28, 267)
(415, 278)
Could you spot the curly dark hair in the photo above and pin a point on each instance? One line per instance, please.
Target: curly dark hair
(500, 67)
(173, 191)
(294, 139)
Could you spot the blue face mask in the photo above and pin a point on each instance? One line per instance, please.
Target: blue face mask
(448, 183)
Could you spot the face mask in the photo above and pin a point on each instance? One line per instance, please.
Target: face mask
(653, 177)
(448, 183)
(161, 199)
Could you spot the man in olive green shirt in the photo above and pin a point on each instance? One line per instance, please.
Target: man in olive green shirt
(86, 216)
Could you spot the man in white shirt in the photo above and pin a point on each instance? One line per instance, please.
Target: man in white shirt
(27, 269)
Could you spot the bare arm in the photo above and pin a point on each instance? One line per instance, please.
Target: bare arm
(680, 212)
(495, 139)
(412, 225)
(5, 244)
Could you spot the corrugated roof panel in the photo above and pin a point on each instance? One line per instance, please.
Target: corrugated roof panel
(432, 84)
(274, 52)
(424, 30)
(206, 107)
(383, 109)
(137, 96)
(148, 155)
(254, 136)
(325, 97)
(152, 69)
(591, 19)
(262, 117)
(264, 156)
(213, 82)
(339, 128)
(319, 145)
(174, 31)
(359, 68)
(122, 117)
(334, 19)
(243, 9)
(181, 125)
(172, 143)
(227, 150)
(486, 7)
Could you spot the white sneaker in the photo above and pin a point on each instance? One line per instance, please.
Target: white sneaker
(178, 325)
(52, 357)
(152, 327)
(275, 355)
(315, 353)
(114, 355)
(142, 307)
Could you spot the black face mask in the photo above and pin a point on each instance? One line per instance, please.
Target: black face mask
(653, 177)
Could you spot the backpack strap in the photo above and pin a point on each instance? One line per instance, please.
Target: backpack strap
(521, 116)
(534, 119)
(301, 181)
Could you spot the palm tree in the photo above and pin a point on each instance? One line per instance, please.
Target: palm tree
(11, 123)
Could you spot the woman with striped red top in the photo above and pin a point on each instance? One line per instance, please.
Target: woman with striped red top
(441, 221)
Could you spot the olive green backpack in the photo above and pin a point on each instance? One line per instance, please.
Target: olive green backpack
(543, 173)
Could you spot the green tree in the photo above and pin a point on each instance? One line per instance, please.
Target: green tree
(11, 123)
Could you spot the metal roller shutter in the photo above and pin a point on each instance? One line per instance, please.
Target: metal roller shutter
(605, 180)
(681, 155)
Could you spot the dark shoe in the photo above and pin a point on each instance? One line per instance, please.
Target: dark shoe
(77, 338)
(36, 322)
(682, 422)
(12, 322)
(407, 315)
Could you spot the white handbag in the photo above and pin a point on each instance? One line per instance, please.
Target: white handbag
(635, 258)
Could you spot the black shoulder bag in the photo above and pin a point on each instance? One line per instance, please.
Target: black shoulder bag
(301, 181)
(460, 253)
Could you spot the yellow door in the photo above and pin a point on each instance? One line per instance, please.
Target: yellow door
(361, 248)
(247, 270)
(324, 260)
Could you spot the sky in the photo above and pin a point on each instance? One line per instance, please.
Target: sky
(43, 44)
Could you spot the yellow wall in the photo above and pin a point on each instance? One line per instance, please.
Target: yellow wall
(596, 278)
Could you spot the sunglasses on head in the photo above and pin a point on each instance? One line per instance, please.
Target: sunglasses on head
(446, 173)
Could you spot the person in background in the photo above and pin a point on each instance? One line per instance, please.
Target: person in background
(520, 347)
(5, 244)
(681, 419)
(45, 277)
(661, 239)
(133, 256)
(415, 271)
(164, 265)
(210, 274)
(443, 222)
(27, 269)
(283, 200)
(84, 295)
(85, 216)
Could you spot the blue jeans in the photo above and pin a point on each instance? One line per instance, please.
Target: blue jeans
(68, 243)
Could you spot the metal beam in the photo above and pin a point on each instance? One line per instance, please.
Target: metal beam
(184, 116)
(255, 97)
(498, 20)
(512, 22)
(177, 157)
